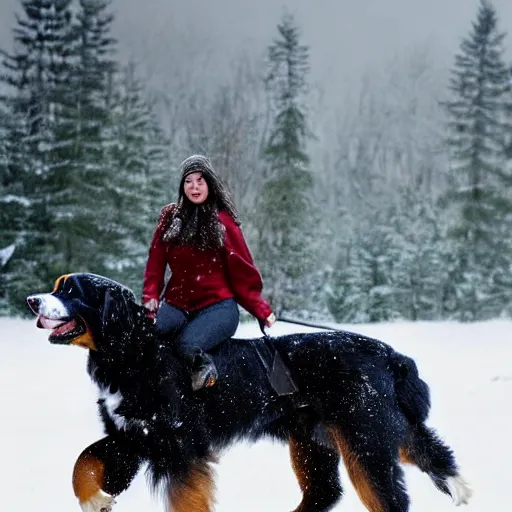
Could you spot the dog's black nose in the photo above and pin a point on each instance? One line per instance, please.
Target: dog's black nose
(34, 302)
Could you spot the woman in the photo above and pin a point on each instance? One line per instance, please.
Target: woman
(212, 270)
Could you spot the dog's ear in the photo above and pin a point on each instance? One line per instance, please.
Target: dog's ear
(117, 316)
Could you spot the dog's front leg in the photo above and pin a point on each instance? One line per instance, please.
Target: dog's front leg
(102, 471)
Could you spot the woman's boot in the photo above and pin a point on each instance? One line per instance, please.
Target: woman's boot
(203, 371)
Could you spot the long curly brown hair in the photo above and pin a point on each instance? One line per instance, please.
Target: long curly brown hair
(198, 224)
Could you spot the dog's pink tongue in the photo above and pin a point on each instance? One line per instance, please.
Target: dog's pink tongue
(64, 328)
(48, 323)
(57, 326)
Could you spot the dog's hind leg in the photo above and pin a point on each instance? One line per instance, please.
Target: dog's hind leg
(194, 492)
(424, 449)
(102, 471)
(373, 468)
(316, 468)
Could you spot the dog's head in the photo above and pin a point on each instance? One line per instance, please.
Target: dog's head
(86, 310)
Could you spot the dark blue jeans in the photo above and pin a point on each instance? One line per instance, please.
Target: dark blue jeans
(204, 329)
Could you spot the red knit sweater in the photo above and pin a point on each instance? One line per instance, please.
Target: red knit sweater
(200, 278)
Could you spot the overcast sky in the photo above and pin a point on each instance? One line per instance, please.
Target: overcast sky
(346, 37)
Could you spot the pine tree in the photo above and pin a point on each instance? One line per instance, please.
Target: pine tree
(138, 156)
(287, 217)
(351, 283)
(13, 200)
(477, 201)
(362, 280)
(35, 69)
(502, 278)
(417, 271)
(31, 77)
(11, 214)
(85, 234)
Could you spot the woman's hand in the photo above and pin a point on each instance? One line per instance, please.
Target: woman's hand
(152, 305)
(271, 319)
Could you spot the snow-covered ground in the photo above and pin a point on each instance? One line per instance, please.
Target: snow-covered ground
(48, 415)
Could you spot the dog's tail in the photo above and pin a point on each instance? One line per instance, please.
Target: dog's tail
(413, 394)
(422, 446)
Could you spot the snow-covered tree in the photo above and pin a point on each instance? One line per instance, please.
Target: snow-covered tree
(139, 160)
(36, 68)
(287, 220)
(478, 201)
(381, 179)
(32, 75)
(84, 233)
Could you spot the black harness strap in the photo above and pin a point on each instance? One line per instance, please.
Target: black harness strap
(277, 372)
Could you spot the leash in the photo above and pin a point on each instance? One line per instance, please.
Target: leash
(305, 323)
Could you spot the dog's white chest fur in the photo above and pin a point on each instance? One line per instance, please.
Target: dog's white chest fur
(112, 401)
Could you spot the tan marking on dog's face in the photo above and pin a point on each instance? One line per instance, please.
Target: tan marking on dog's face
(88, 476)
(85, 340)
(358, 474)
(196, 492)
(58, 281)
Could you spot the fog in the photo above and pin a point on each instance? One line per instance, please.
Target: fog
(347, 37)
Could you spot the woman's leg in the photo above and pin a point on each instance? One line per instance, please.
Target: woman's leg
(170, 320)
(203, 332)
(209, 326)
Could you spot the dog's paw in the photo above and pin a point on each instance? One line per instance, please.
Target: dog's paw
(100, 502)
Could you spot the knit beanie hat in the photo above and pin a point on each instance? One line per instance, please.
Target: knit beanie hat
(196, 163)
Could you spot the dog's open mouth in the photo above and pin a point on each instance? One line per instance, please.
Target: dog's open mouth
(63, 330)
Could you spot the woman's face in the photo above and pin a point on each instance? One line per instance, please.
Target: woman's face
(196, 188)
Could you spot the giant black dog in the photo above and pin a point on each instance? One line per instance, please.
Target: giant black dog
(358, 399)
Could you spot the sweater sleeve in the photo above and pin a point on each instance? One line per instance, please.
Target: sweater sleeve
(244, 278)
(154, 273)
